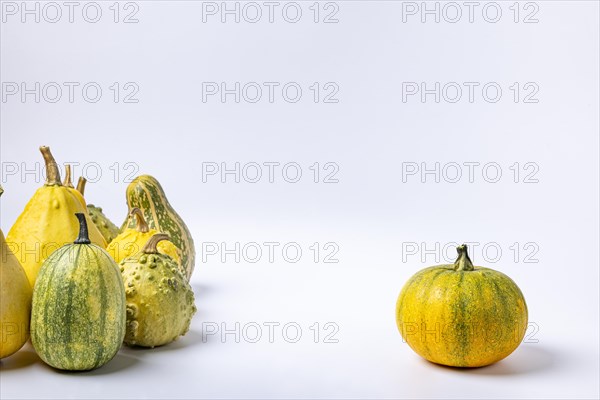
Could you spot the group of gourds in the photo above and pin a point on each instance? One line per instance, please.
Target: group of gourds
(85, 305)
(80, 286)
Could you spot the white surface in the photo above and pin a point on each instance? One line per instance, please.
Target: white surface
(369, 214)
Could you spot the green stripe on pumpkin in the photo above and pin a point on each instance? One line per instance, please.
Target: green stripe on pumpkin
(479, 312)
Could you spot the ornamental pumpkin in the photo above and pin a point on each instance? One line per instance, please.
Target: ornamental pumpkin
(15, 301)
(132, 240)
(106, 227)
(461, 315)
(160, 301)
(47, 221)
(78, 313)
(145, 193)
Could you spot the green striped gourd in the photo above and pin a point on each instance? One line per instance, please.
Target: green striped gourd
(78, 313)
(461, 315)
(148, 195)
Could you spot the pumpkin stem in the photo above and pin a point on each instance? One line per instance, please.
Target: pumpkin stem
(68, 181)
(81, 185)
(150, 246)
(83, 237)
(463, 262)
(142, 225)
(52, 172)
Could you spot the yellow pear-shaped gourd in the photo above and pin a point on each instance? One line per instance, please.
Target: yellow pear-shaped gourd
(132, 240)
(15, 301)
(47, 222)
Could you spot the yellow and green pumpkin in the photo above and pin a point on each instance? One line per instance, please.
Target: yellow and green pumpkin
(461, 315)
(160, 301)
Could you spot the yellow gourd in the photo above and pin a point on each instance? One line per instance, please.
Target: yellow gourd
(461, 315)
(47, 221)
(15, 301)
(68, 182)
(132, 240)
(160, 301)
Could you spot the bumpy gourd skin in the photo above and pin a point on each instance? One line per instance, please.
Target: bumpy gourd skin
(108, 230)
(160, 301)
(461, 318)
(15, 302)
(45, 225)
(78, 314)
(146, 193)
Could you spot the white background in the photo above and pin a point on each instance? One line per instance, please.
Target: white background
(372, 214)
